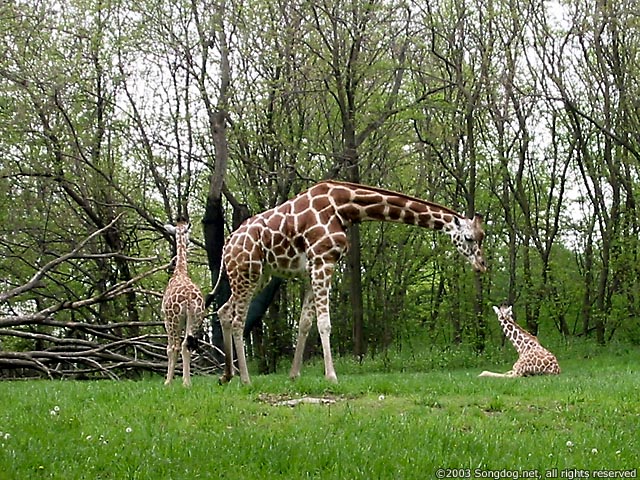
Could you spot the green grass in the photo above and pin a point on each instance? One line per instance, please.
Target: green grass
(390, 420)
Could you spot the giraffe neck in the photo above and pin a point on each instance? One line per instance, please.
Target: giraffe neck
(181, 254)
(521, 340)
(356, 203)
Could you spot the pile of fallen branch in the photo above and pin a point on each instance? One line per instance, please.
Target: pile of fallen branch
(107, 355)
(88, 350)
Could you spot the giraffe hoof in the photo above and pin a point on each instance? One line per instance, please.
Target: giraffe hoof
(223, 379)
(332, 378)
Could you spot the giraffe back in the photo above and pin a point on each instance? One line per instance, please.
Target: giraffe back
(283, 240)
(182, 297)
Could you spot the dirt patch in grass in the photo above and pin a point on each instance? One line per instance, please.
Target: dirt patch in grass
(284, 400)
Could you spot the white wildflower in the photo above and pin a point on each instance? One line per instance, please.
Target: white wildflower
(569, 443)
(381, 397)
(128, 430)
(594, 451)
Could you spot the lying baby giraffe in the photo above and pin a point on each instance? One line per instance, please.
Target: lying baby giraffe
(533, 358)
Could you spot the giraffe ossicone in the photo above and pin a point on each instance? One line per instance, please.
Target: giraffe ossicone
(533, 358)
(306, 236)
(182, 307)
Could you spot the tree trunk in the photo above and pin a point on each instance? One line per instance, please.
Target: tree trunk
(354, 257)
(354, 261)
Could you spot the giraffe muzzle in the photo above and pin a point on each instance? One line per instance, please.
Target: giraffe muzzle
(479, 265)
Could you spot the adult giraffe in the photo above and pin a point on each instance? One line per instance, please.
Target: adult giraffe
(306, 236)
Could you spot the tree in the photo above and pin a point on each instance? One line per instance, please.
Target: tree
(600, 120)
(159, 109)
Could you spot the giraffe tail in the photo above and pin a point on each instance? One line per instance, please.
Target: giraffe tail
(192, 343)
(209, 297)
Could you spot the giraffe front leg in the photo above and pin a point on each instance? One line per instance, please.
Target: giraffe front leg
(306, 320)
(324, 327)
(321, 285)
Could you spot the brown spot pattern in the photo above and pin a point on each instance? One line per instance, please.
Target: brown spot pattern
(182, 308)
(306, 236)
(533, 358)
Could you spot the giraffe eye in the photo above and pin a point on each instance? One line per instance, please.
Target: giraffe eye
(469, 238)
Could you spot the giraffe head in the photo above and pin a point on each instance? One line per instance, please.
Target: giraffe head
(509, 326)
(181, 229)
(521, 339)
(467, 235)
(504, 312)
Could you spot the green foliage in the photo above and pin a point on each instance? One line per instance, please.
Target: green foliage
(109, 107)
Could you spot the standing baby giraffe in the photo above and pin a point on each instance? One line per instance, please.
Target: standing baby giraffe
(533, 358)
(182, 307)
(306, 236)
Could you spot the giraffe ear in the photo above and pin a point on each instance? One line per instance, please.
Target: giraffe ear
(509, 310)
(496, 309)
(170, 228)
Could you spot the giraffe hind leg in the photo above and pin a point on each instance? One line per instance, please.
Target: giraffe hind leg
(486, 373)
(237, 328)
(509, 374)
(172, 357)
(232, 318)
(197, 327)
(191, 331)
(306, 320)
(186, 363)
(186, 350)
(225, 314)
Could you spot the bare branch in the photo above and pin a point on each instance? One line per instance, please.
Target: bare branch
(37, 277)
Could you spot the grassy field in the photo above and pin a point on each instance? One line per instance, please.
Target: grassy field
(391, 418)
